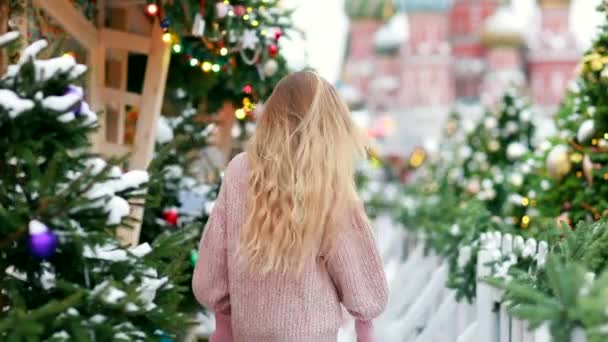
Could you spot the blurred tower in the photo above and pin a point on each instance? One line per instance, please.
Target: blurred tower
(427, 88)
(553, 54)
(426, 77)
(366, 17)
(468, 54)
(502, 35)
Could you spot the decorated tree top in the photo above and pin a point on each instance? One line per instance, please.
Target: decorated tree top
(226, 50)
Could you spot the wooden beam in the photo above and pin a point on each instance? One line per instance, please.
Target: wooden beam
(120, 40)
(111, 95)
(109, 149)
(151, 100)
(4, 14)
(145, 135)
(73, 21)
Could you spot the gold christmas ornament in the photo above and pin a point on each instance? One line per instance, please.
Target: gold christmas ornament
(588, 169)
(558, 162)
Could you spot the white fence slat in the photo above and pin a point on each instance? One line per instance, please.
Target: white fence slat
(411, 278)
(465, 315)
(486, 317)
(470, 334)
(418, 313)
(542, 334)
(442, 326)
(518, 331)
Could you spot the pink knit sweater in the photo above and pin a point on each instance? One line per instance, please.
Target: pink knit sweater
(281, 308)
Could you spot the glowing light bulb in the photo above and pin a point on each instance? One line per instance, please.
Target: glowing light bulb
(240, 113)
(206, 66)
(215, 68)
(246, 17)
(249, 9)
(525, 221)
(255, 23)
(167, 37)
(152, 9)
(69, 54)
(194, 62)
(223, 51)
(525, 201)
(177, 48)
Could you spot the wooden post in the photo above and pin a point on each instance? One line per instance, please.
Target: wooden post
(74, 22)
(96, 60)
(4, 14)
(224, 130)
(152, 96)
(145, 135)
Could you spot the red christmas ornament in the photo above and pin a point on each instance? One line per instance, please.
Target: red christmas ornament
(152, 9)
(277, 34)
(248, 89)
(239, 10)
(273, 50)
(171, 216)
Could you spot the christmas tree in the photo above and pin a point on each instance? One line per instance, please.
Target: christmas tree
(233, 46)
(501, 138)
(64, 274)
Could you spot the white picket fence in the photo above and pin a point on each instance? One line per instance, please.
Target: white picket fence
(430, 313)
(422, 309)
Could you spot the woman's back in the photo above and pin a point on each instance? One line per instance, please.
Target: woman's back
(288, 240)
(284, 307)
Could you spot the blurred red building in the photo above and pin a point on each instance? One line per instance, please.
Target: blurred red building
(416, 58)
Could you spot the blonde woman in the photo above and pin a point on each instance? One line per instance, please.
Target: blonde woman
(288, 242)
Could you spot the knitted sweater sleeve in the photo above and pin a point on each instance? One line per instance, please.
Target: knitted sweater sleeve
(210, 279)
(357, 271)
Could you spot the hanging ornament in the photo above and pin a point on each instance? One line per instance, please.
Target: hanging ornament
(79, 107)
(473, 187)
(247, 89)
(273, 50)
(585, 131)
(165, 23)
(198, 27)
(563, 218)
(249, 40)
(193, 257)
(271, 67)
(493, 145)
(171, 216)
(516, 150)
(152, 9)
(588, 169)
(277, 34)
(558, 162)
(42, 241)
(221, 9)
(239, 10)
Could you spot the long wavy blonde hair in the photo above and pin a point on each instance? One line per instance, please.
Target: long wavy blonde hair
(302, 160)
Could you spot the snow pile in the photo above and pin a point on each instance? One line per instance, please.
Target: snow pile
(8, 37)
(105, 193)
(164, 133)
(13, 104)
(107, 252)
(393, 34)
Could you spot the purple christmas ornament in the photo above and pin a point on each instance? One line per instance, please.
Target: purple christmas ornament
(42, 241)
(78, 106)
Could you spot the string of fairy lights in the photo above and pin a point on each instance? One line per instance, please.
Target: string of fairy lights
(213, 47)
